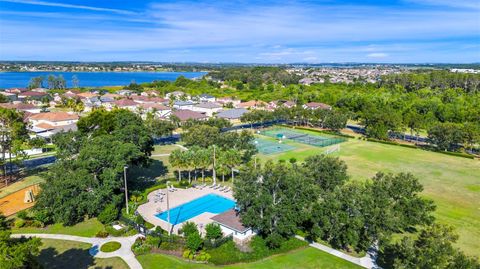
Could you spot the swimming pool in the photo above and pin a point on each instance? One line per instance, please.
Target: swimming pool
(209, 203)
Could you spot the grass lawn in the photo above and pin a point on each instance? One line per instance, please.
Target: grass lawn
(452, 182)
(22, 183)
(304, 258)
(70, 254)
(88, 228)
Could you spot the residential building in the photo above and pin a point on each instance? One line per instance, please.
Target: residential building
(253, 105)
(315, 105)
(206, 98)
(232, 115)
(177, 95)
(185, 114)
(183, 105)
(126, 104)
(226, 100)
(230, 223)
(9, 95)
(30, 108)
(207, 108)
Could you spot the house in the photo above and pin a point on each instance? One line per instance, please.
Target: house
(228, 100)
(84, 95)
(30, 95)
(46, 131)
(177, 95)
(53, 119)
(30, 108)
(113, 95)
(17, 90)
(232, 114)
(125, 92)
(253, 105)
(10, 96)
(281, 103)
(150, 93)
(147, 99)
(160, 110)
(315, 105)
(207, 108)
(206, 98)
(185, 114)
(126, 104)
(39, 90)
(183, 104)
(230, 223)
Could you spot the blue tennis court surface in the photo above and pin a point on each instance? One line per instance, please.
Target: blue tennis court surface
(211, 203)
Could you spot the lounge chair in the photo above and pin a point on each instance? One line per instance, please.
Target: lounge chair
(218, 187)
(227, 189)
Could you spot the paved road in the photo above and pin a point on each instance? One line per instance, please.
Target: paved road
(367, 262)
(124, 252)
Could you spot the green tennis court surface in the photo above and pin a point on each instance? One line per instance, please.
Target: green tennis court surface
(310, 139)
(270, 147)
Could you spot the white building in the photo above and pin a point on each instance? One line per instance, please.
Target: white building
(207, 108)
(230, 224)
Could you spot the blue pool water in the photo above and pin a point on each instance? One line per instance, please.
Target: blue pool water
(209, 203)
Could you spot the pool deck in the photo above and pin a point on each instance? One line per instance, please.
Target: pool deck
(176, 198)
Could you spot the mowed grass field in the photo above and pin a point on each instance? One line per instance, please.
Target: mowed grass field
(305, 258)
(452, 182)
(58, 254)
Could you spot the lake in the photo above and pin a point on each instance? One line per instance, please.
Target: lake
(92, 79)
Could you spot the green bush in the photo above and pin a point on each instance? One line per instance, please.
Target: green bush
(148, 225)
(194, 241)
(153, 241)
(457, 154)
(102, 234)
(19, 223)
(213, 231)
(186, 254)
(110, 246)
(140, 247)
(22, 215)
(228, 253)
(108, 214)
(41, 216)
(188, 228)
(114, 232)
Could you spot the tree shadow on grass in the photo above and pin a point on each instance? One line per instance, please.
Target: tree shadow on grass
(72, 258)
(144, 177)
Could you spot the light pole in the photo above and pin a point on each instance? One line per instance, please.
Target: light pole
(126, 191)
(168, 211)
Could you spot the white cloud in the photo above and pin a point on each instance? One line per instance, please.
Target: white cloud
(378, 55)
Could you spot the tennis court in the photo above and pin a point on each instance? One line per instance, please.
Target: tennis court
(270, 147)
(301, 137)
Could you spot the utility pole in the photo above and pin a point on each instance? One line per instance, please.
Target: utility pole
(214, 174)
(168, 211)
(126, 191)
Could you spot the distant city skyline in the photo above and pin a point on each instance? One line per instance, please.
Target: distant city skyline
(405, 31)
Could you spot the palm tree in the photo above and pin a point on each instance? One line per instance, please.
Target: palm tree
(204, 161)
(221, 165)
(175, 160)
(232, 159)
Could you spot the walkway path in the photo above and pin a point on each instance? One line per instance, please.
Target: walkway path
(367, 262)
(124, 252)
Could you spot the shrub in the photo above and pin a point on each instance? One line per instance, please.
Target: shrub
(194, 241)
(188, 228)
(110, 246)
(108, 214)
(22, 215)
(148, 225)
(186, 254)
(114, 232)
(274, 240)
(213, 231)
(153, 241)
(102, 234)
(19, 223)
(202, 256)
(140, 247)
(41, 216)
(37, 224)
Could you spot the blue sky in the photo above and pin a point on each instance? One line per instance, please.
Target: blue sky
(403, 31)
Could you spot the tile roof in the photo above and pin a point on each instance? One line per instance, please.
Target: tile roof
(235, 113)
(185, 114)
(31, 93)
(54, 116)
(252, 104)
(230, 219)
(125, 103)
(19, 106)
(318, 105)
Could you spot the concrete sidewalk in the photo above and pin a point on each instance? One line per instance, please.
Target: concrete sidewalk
(124, 252)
